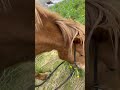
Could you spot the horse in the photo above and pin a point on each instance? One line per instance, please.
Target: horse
(102, 44)
(52, 31)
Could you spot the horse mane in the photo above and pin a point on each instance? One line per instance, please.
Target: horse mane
(106, 17)
(70, 29)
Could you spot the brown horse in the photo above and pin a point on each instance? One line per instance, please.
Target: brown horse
(55, 32)
(102, 42)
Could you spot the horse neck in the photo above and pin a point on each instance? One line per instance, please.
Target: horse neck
(49, 36)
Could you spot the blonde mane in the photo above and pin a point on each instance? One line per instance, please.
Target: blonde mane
(70, 29)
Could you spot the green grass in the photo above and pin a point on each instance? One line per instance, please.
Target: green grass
(74, 9)
(46, 62)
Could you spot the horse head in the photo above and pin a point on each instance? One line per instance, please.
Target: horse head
(55, 32)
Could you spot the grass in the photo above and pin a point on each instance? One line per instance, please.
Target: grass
(74, 9)
(46, 62)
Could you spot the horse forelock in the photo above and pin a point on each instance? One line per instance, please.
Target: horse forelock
(69, 28)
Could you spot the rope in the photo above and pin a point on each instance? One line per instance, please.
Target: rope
(50, 75)
(57, 68)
